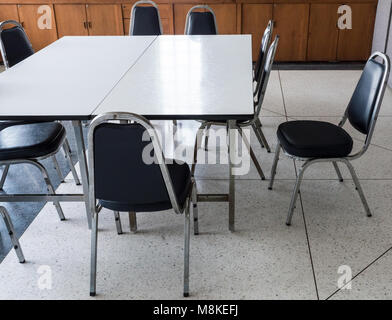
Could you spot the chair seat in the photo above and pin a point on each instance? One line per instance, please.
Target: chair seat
(314, 139)
(8, 123)
(29, 141)
(181, 178)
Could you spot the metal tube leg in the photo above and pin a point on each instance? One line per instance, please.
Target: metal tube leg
(52, 191)
(206, 137)
(83, 165)
(71, 165)
(4, 176)
(252, 155)
(260, 135)
(11, 232)
(117, 219)
(231, 150)
(295, 193)
(199, 136)
(274, 165)
(132, 221)
(335, 165)
(67, 146)
(195, 210)
(186, 250)
(57, 167)
(94, 243)
(359, 188)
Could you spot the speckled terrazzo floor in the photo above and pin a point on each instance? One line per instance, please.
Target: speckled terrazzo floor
(263, 259)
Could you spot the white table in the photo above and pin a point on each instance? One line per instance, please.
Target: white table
(165, 77)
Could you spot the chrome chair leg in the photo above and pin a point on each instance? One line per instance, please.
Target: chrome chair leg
(195, 210)
(358, 187)
(71, 165)
(252, 155)
(4, 176)
(117, 219)
(294, 196)
(67, 146)
(206, 137)
(335, 165)
(274, 165)
(94, 243)
(260, 135)
(132, 221)
(11, 232)
(186, 249)
(57, 167)
(199, 136)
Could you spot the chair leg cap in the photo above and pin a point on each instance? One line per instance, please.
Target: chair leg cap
(369, 215)
(186, 294)
(288, 224)
(263, 178)
(92, 294)
(269, 188)
(341, 180)
(63, 219)
(22, 261)
(79, 184)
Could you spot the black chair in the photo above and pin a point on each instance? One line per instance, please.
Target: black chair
(15, 47)
(200, 23)
(28, 144)
(255, 122)
(122, 179)
(145, 20)
(317, 141)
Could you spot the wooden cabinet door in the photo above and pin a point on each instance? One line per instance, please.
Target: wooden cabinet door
(40, 32)
(291, 23)
(226, 17)
(8, 12)
(254, 19)
(323, 32)
(180, 12)
(71, 20)
(355, 44)
(104, 19)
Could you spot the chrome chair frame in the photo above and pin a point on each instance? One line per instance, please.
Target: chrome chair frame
(254, 122)
(152, 3)
(66, 154)
(346, 160)
(95, 208)
(11, 232)
(206, 7)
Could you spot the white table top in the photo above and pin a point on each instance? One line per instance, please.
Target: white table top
(165, 77)
(188, 77)
(69, 78)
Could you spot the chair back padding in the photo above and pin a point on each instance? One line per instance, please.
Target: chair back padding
(146, 21)
(265, 42)
(120, 174)
(363, 102)
(269, 61)
(200, 23)
(15, 44)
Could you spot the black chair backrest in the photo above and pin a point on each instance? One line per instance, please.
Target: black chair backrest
(269, 61)
(120, 173)
(14, 43)
(363, 104)
(145, 21)
(200, 23)
(265, 42)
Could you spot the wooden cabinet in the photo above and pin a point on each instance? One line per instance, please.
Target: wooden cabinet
(291, 23)
(39, 23)
(165, 12)
(8, 12)
(254, 20)
(90, 19)
(71, 20)
(180, 12)
(104, 19)
(323, 32)
(355, 44)
(226, 17)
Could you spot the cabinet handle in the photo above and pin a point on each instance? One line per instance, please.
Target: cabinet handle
(85, 24)
(90, 24)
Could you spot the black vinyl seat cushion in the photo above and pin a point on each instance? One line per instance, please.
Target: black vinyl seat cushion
(201, 23)
(146, 22)
(314, 139)
(29, 141)
(181, 178)
(8, 123)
